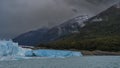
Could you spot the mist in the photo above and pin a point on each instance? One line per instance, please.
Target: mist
(19, 16)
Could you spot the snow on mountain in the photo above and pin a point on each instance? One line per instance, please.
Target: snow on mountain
(72, 25)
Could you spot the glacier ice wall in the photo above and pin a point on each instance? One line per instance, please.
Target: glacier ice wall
(10, 50)
(52, 53)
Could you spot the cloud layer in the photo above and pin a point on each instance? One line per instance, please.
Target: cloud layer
(19, 16)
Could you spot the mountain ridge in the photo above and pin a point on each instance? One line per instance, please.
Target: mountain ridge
(100, 33)
(44, 35)
(67, 28)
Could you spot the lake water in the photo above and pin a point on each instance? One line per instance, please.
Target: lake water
(73, 62)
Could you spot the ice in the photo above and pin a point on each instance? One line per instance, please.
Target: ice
(11, 50)
(53, 53)
(8, 48)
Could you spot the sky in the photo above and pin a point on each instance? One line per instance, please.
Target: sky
(19, 16)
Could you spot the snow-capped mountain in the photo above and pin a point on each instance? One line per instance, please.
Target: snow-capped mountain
(44, 35)
(101, 32)
(72, 25)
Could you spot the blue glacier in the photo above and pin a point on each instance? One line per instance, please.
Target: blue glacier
(11, 50)
(52, 53)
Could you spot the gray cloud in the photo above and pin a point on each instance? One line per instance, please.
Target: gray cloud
(19, 16)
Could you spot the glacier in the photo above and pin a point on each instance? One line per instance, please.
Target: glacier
(10, 50)
(52, 53)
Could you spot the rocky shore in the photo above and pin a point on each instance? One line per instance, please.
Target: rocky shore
(100, 53)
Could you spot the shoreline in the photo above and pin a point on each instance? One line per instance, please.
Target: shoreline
(99, 53)
(85, 52)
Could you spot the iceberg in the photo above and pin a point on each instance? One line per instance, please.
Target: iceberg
(11, 50)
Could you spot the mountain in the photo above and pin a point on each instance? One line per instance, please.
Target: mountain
(31, 37)
(101, 32)
(77, 28)
(45, 35)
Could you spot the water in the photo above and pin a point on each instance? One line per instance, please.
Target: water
(73, 62)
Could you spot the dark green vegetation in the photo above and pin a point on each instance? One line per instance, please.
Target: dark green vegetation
(101, 32)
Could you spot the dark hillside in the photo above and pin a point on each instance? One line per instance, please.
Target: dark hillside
(101, 32)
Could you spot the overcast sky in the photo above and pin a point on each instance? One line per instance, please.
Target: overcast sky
(19, 16)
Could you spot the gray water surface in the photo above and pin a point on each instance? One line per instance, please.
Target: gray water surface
(73, 62)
